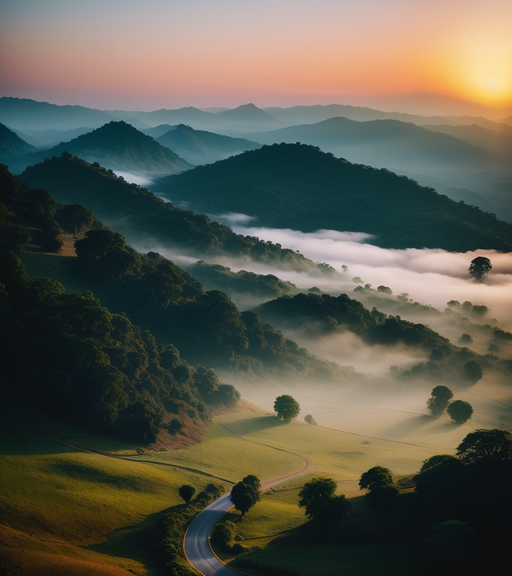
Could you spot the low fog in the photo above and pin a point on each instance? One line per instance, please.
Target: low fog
(429, 276)
(383, 407)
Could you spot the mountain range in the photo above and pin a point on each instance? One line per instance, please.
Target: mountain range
(466, 158)
(300, 187)
(116, 145)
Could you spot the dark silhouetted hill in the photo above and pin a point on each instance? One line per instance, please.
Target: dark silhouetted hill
(144, 218)
(299, 187)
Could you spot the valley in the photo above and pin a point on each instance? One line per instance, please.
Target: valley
(148, 331)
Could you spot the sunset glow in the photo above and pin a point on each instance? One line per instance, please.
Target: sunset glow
(127, 54)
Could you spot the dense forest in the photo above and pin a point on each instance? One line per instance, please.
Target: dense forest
(316, 314)
(69, 355)
(300, 187)
(139, 214)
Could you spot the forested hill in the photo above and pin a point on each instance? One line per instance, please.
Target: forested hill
(137, 213)
(299, 187)
(116, 145)
(68, 355)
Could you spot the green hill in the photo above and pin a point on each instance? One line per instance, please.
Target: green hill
(139, 215)
(299, 187)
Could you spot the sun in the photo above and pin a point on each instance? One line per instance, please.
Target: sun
(485, 73)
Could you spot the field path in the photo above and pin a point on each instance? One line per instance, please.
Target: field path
(196, 543)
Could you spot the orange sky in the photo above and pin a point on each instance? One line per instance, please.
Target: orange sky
(172, 53)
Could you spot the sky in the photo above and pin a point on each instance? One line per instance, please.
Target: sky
(426, 56)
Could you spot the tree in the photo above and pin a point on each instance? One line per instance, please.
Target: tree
(253, 481)
(309, 419)
(316, 495)
(473, 371)
(437, 403)
(479, 267)
(186, 492)
(485, 445)
(460, 411)
(244, 496)
(375, 477)
(286, 407)
(379, 483)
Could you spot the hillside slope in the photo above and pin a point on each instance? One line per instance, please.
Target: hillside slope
(299, 187)
(146, 219)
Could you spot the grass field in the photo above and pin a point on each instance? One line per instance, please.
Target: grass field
(68, 512)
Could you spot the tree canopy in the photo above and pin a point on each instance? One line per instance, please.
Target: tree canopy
(479, 267)
(460, 411)
(485, 445)
(245, 495)
(286, 407)
(437, 403)
(322, 506)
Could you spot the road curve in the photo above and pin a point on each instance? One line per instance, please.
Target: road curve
(196, 542)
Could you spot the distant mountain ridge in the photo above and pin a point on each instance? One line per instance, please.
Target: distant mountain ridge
(299, 187)
(116, 145)
(23, 113)
(202, 147)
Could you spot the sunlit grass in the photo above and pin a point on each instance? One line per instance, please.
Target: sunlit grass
(56, 501)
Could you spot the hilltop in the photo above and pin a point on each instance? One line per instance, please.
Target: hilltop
(202, 147)
(299, 187)
(116, 145)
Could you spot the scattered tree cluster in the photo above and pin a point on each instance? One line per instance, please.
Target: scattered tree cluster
(458, 410)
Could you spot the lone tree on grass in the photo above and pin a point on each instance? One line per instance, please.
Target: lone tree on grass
(186, 492)
(322, 506)
(245, 494)
(460, 411)
(438, 402)
(286, 407)
(479, 267)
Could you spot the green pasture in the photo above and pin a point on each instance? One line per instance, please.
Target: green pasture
(243, 443)
(58, 502)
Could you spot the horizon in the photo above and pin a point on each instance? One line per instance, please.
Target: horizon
(425, 58)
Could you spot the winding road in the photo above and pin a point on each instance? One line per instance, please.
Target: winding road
(196, 543)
